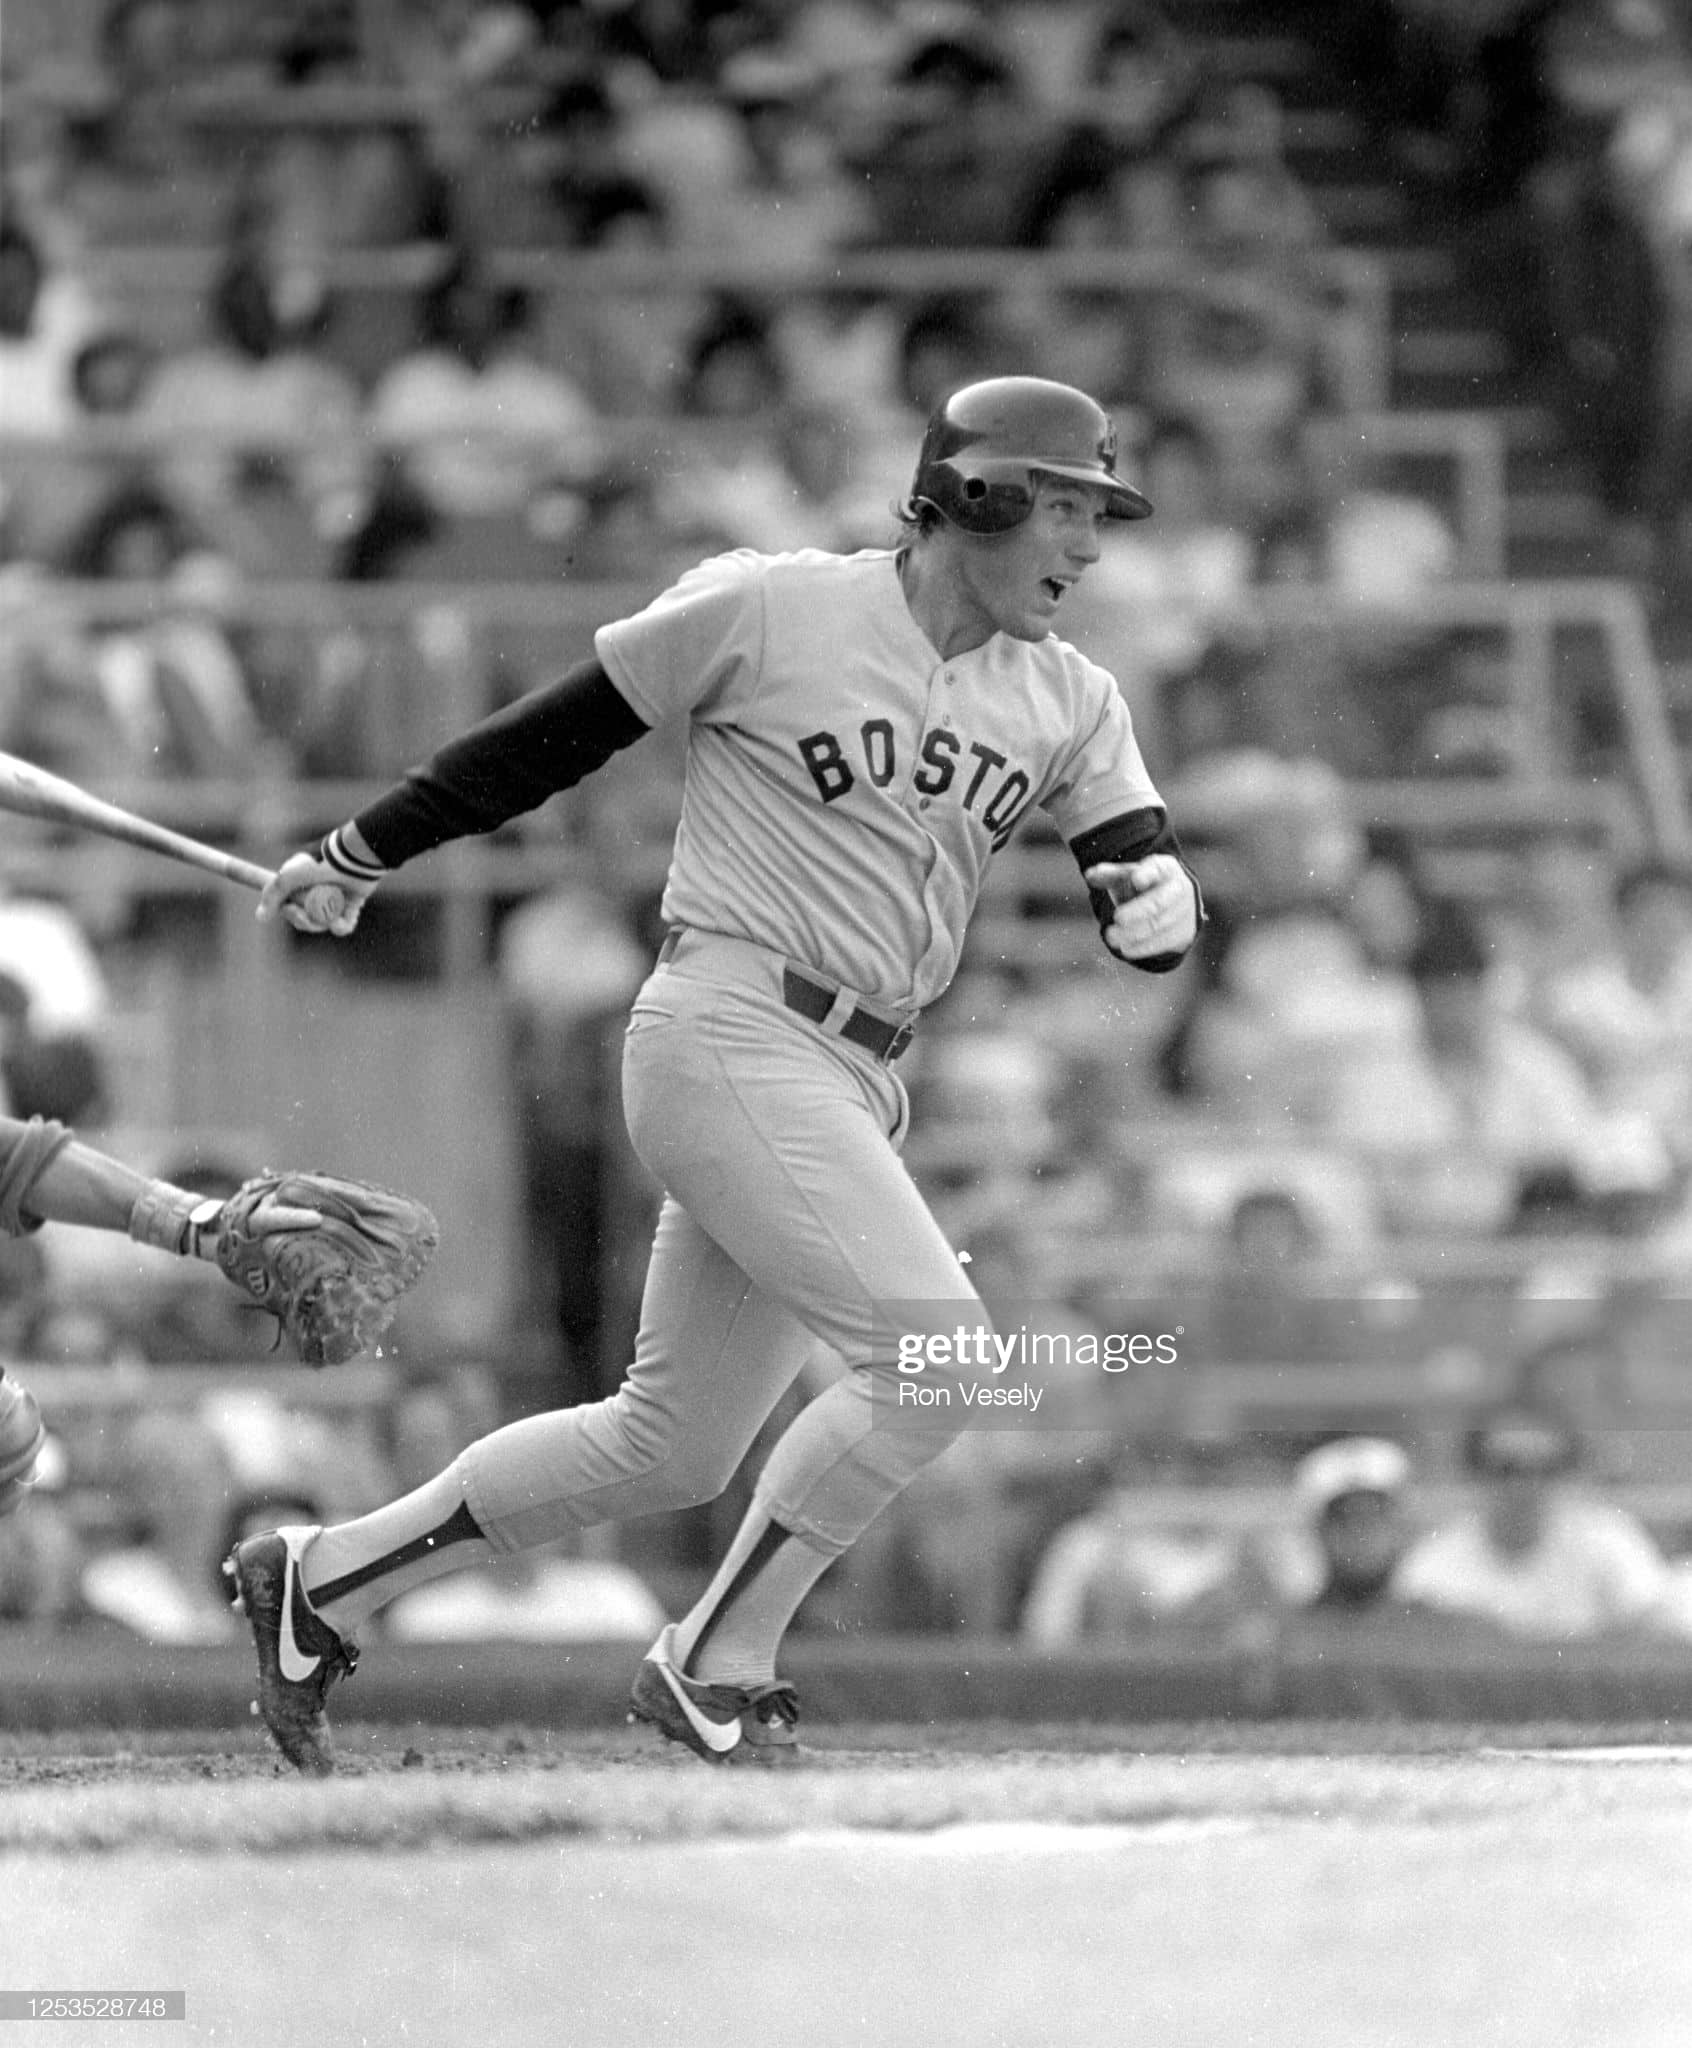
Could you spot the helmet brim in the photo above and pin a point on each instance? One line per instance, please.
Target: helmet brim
(1122, 501)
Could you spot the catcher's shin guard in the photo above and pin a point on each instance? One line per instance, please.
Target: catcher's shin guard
(21, 1436)
(724, 1724)
(299, 1655)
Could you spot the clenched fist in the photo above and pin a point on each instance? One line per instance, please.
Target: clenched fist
(323, 891)
(1157, 905)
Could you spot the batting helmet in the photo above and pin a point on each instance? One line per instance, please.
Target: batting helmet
(986, 443)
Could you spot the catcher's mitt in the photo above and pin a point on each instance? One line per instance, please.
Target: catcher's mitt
(333, 1285)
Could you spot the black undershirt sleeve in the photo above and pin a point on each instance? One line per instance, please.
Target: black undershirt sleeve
(1132, 836)
(510, 763)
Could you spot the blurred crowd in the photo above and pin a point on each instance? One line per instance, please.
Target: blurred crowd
(240, 349)
(437, 293)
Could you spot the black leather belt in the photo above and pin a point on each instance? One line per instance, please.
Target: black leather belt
(814, 1001)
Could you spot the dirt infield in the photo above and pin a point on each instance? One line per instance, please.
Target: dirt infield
(1510, 1888)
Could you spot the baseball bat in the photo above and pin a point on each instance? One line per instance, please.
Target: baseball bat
(33, 793)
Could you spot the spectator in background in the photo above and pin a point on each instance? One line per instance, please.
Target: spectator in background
(1583, 1372)
(111, 372)
(171, 684)
(1247, 217)
(1119, 185)
(882, 368)
(1540, 1557)
(1600, 302)
(51, 336)
(55, 1007)
(1097, 332)
(47, 317)
(1355, 1495)
(795, 198)
(1229, 357)
(51, 708)
(1463, 1127)
(794, 484)
(763, 468)
(574, 158)
(627, 517)
(138, 173)
(1288, 1002)
(555, 175)
(1114, 1573)
(158, 1578)
(1155, 611)
(683, 45)
(1642, 336)
(690, 150)
(497, 443)
(945, 342)
(841, 349)
(966, 157)
(1653, 905)
(733, 370)
(1609, 976)
(983, 1074)
(261, 432)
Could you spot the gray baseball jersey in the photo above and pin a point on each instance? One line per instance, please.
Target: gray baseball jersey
(845, 787)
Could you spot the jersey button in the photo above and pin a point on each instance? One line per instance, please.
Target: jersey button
(922, 803)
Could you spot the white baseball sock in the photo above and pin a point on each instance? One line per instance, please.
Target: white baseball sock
(731, 1634)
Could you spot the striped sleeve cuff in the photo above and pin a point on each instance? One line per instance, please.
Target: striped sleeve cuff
(335, 854)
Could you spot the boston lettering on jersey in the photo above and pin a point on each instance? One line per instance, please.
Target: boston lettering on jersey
(973, 772)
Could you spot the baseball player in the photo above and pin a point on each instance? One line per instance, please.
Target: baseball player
(864, 732)
(47, 1175)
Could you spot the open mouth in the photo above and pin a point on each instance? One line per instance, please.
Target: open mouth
(1053, 588)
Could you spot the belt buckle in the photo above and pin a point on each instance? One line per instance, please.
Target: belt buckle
(900, 1040)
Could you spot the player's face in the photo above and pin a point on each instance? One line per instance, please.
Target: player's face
(1016, 582)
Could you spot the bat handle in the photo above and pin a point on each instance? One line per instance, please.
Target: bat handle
(248, 873)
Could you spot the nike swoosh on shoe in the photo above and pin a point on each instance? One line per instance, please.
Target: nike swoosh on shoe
(296, 1666)
(720, 1736)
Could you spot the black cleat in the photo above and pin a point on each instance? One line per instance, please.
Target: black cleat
(724, 1724)
(299, 1655)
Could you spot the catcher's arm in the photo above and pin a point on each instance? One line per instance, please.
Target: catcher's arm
(328, 1256)
(48, 1175)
